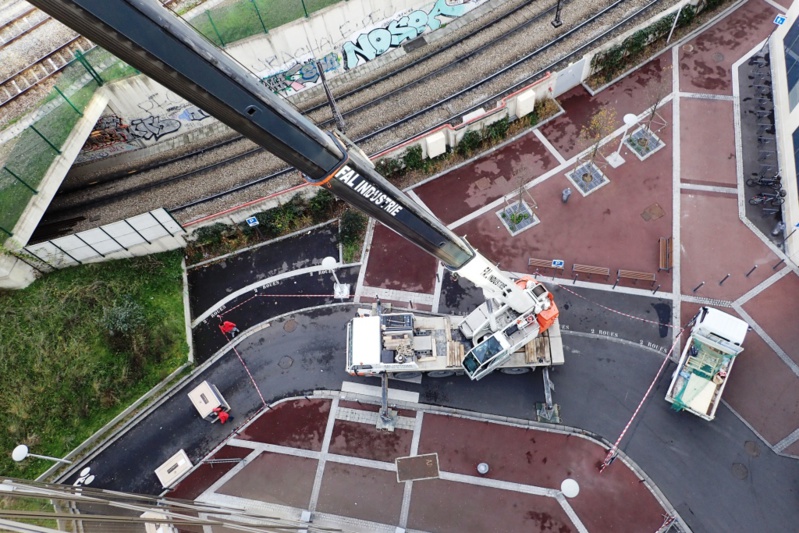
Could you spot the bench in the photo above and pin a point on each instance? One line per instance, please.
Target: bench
(588, 269)
(666, 259)
(542, 263)
(635, 276)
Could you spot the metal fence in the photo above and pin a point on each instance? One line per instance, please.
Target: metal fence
(26, 157)
(238, 19)
(141, 233)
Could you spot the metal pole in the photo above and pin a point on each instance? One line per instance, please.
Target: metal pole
(45, 139)
(68, 100)
(65, 252)
(675, 23)
(112, 238)
(160, 224)
(22, 181)
(753, 269)
(89, 245)
(557, 23)
(216, 31)
(257, 12)
(56, 459)
(304, 9)
(333, 106)
(137, 231)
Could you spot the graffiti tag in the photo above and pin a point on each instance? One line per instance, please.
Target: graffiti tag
(153, 127)
(376, 42)
(302, 75)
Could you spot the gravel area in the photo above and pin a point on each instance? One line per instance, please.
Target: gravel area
(428, 83)
(36, 44)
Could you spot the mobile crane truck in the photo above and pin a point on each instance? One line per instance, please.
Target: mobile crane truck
(498, 333)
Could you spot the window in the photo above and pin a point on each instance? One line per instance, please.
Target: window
(791, 44)
(795, 137)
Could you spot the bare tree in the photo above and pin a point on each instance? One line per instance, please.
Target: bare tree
(656, 92)
(601, 124)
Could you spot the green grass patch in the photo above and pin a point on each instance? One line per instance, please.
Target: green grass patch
(234, 21)
(80, 345)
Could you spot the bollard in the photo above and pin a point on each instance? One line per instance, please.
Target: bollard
(723, 280)
(617, 282)
(778, 264)
(575, 279)
(656, 289)
(564, 196)
(698, 286)
(753, 269)
(482, 468)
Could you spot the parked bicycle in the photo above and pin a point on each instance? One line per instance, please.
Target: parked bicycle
(762, 181)
(773, 199)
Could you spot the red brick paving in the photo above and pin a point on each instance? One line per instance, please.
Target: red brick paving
(775, 310)
(764, 391)
(706, 61)
(363, 493)
(470, 187)
(364, 440)
(632, 94)
(580, 231)
(395, 263)
(605, 502)
(298, 423)
(707, 142)
(206, 475)
(275, 478)
(449, 507)
(714, 242)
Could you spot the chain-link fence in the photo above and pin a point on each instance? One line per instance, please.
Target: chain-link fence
(234, 20)
(25, 158)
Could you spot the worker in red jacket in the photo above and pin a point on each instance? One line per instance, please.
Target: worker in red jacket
(222, 414)
(229, 327)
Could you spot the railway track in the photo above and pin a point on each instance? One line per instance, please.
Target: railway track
(382, 119)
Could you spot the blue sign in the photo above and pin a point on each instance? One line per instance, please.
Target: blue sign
(558, 263)
(779, 20)
(252, 222)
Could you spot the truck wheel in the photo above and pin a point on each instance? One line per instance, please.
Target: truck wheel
(407, 375)
(515, 371)
(441, 373)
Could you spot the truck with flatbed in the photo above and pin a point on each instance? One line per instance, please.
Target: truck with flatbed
(706, 362)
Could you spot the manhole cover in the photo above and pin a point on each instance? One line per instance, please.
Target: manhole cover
(718, 57)
(739, 471)
(290, 325)
(285, 362)
(688, 48)
(653, 212)
(752, 448)
(483, 184)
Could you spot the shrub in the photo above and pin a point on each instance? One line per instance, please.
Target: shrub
(470, 142)
(390, 167)
(498, 130)
(352, 226)
(414, 159)
(321, 205)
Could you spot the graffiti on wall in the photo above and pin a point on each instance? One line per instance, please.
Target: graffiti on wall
(109, 136)
(302, 75)
(374, 43)
(166, 114)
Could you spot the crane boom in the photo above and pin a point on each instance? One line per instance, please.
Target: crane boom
(164, 47)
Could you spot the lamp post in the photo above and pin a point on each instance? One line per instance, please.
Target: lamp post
(340, 290)
(21, 452)
(557, 22)
(615, 159)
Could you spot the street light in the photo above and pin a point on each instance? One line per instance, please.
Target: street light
(21, 452)
(557, 22)
(615, 159)
(340, 290)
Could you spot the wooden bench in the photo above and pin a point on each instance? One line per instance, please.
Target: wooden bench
(635, 276)
(541, 263)
(666, 259)
(588, 269)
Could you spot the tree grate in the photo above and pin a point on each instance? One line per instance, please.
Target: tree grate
(517, 217)
(587, 177)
